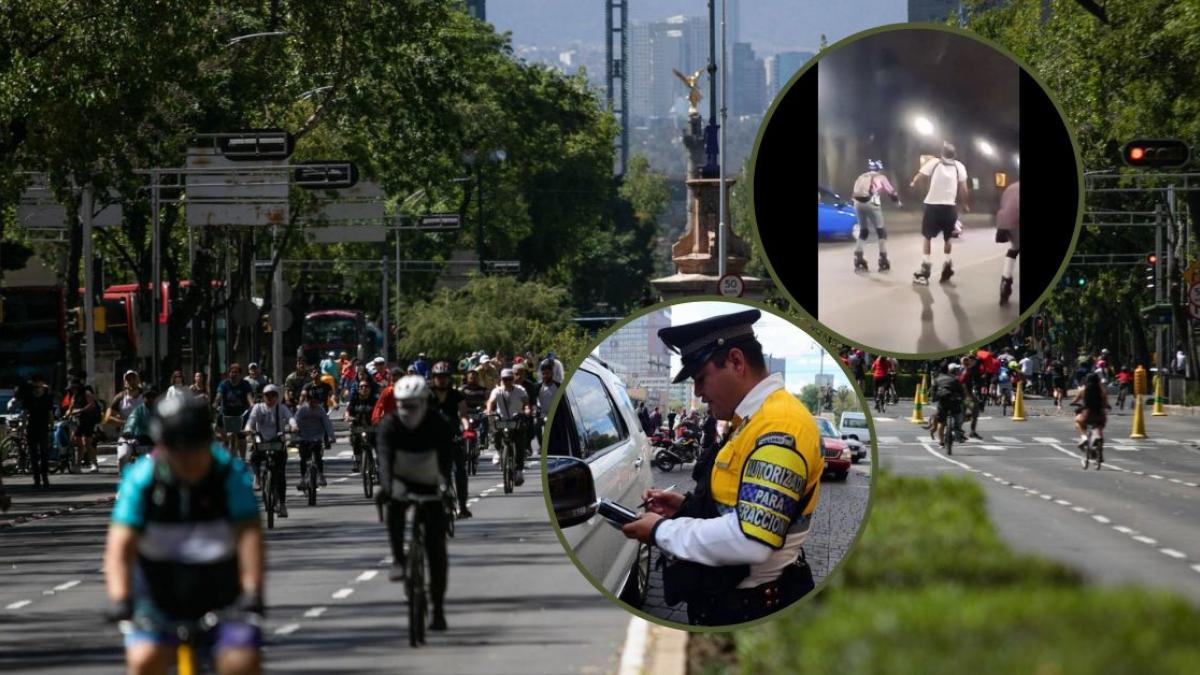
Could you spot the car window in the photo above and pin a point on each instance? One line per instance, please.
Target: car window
(826, 428)
(564, 439)
(596, 417)
(854, 422)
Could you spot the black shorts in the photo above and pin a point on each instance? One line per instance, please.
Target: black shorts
(939, 219)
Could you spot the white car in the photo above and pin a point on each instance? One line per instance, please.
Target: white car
(854, 425)
(596, 451)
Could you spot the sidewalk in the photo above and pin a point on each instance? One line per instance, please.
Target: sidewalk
(66, 493)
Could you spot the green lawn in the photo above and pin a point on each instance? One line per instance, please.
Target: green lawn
(932, 589)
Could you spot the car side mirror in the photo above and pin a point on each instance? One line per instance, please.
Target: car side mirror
(572, 490)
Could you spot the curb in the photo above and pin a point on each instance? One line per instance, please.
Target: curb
(57, 512)
(651, 648)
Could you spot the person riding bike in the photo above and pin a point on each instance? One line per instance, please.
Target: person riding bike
(452, 405)
(1092, 410)
(296, 381)
(136, 431)
(508, 402)
(1124, 385)
(949, 394)
(268, 420)
(312, 426)
(359, 407)
(882, 371)
(476, 395)
(415, 457)
(185, 541)
(234, 399)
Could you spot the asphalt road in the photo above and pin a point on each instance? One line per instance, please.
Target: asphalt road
(836, 521)
(515, 605)
(888, 312)
(1136, 521)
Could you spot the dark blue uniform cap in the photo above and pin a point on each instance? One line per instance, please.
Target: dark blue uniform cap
(696, 342)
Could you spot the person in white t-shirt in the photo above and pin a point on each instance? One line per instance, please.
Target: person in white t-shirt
(947, 179)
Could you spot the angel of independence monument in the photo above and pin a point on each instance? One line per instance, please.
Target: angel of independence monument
(696, 254)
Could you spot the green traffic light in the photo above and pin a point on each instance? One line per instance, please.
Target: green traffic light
(1082, 281)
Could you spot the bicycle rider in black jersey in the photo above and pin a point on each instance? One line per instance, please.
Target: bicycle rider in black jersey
(452, 406)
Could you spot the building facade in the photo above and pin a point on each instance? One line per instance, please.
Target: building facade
(655, 48)
(748, 81)
(477, 9)
(640, 359)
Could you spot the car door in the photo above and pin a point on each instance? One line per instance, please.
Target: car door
(614, 449)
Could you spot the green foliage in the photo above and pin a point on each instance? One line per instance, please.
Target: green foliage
(495, 314)
(931, 588)
(810, 396)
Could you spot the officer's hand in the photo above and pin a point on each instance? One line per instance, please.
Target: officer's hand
(119, 610)
(662, 502)
(642, 528)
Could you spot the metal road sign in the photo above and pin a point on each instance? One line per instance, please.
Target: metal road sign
(233, 194)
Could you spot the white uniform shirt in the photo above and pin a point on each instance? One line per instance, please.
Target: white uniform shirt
(508, 404)
(719, 541)
(943, 181)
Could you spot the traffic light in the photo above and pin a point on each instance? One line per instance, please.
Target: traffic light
(1157, 153)
(1071, 279)
(1151, 263)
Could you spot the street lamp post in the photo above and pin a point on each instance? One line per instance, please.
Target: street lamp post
(471, 159)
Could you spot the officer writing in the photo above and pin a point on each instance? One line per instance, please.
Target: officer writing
(736, 541)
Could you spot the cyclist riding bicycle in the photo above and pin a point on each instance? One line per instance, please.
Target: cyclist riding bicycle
(508, 402)
(312, 426)
(267, 421)
(358, 412)
(476, 395)
(882, 371)
(1093, 407)
(950, 395)
(452, 405)
(1124, 385)
(415, 456)
(185, 541)
(136, 430)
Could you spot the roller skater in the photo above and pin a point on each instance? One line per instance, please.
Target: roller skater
(867, 205)
(947, 189)
(1008, 230)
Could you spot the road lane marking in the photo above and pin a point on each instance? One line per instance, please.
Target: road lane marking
(1047, 497)
(287, 629)
(68, 585)
(1008, 439)
(1166, 441)
(472, 500)
(1062, 502)
(1156, 476)
(315, 612)
(941, 456)
(994, 447)
(386, 561)
(1101, 519)
(1173, 553)
(889, 440)
(342, 593)
(345, 454)
(1045, 439)
(18, 604)
(1078, 509)
(1192, 484)
(1122, 529)
(343, 479)
(1145, 540)
(1196, 568)
(633, 652)
(367, 576)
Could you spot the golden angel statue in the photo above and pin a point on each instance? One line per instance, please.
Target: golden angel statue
(694, 94)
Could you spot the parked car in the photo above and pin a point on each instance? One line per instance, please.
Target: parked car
(854, 425)
(836, 218)
(597, 450)
(836, 450)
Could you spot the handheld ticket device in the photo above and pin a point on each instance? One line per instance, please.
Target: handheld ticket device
(615, 513)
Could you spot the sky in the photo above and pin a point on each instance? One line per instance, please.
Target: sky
(778, 337)
(770, 25)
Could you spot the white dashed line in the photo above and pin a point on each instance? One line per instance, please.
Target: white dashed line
(1145, 540)
(1165, 441)
(367, 576)
(1047, 497)
(68, 585)
(315, 612)
(342, 593)
(1062, 502)
(1196, 568)
(287, 629)
(957, 463)
(386, 561)
(342, 479)
(472, 500)
(1101, 519)
(1192, 484)
(498, 485)
(1156, 477)
(1045, 439)
(18, 604)
(1008, 439)
(1173, 553)
(1078, 509)
(1122, 529)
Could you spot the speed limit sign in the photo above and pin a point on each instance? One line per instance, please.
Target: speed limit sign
(731, 285)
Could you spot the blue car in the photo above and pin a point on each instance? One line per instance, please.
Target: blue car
(836, 218)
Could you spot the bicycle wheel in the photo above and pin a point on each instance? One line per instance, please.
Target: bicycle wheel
(368, 468)
(7, 449)
(506, 466)
(267, 481)
(415, 582)
(310, 483)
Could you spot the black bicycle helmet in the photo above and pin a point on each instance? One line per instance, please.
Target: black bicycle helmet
(182, 423)
(441, 368)
(546, 363)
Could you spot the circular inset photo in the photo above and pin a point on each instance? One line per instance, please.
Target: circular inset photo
(915, 139)
(708, 464)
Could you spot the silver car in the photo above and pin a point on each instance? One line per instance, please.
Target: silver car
(597, 452)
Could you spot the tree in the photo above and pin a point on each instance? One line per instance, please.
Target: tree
(810, 396)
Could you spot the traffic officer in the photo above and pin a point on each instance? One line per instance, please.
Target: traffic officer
(737, 539)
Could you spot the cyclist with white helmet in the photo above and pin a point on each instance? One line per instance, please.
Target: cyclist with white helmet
(415, 456)
(268, 420)
(508, 401)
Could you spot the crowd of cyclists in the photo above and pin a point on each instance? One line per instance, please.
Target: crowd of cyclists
(185, 542)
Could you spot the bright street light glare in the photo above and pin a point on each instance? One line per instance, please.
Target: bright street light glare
(985, 147)
(1017, 159)
(923, 125)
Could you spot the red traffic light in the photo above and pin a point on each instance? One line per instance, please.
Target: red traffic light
(1152, 259)
(1160, 152)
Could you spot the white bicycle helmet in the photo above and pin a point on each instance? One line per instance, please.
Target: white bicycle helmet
(412, 400)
